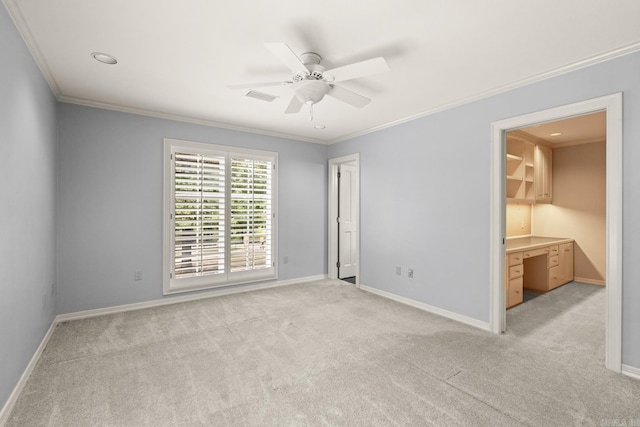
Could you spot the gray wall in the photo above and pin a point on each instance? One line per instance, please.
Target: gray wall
(425, 194)
(110, 203)
(27, 206)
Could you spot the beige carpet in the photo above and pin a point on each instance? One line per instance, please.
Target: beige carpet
(326, 353)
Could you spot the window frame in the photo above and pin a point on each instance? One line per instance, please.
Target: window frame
(172, 285)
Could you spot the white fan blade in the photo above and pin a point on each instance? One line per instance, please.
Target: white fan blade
(357, 69)
(294, 106)
(259, 84)
(287, 56)
(349, 97)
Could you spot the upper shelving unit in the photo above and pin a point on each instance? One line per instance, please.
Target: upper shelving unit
(520, 170)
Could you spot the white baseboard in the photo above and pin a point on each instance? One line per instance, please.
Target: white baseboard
(590, 281)
(182, 298)
(429, 308)
(8, 406)
(630, 371)
(13, 398)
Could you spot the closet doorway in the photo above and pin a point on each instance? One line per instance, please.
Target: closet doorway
(612, 106)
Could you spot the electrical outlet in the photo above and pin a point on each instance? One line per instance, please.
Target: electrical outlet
(137, 275)
(398, 270)
(410, 273)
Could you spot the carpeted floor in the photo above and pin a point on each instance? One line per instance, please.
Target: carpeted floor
(326, 353)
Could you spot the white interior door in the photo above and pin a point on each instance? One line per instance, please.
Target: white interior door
(347, 221)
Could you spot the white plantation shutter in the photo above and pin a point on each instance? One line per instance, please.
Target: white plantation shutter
(199, 215)
(220, 222)
(250, 218)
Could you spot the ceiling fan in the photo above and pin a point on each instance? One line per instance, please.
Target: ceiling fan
(311, 81)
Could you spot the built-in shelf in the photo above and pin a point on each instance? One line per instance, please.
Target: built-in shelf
(520, 170)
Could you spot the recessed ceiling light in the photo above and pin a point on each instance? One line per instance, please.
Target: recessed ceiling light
(104, 58)
(319, 126)
(555, 134)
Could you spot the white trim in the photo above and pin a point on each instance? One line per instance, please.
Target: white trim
(32, 46)
(230, 290)
(13, 398)
(612, 104)
(171, 285)
(631, 371)
(23, 29)
(625, 50)
(590, 281)
(429, 308)
(185, 119)
(332, 269)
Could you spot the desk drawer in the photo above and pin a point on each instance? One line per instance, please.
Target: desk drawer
(515, 258)
(553, 261)
(553, 250)
(536, 252)
(516, 271)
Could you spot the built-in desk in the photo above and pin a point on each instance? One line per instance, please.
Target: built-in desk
(538, 264)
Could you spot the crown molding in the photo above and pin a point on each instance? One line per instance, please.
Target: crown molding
(186, 119)
(597, 59)
(579, 142)
(32, 46)
(23, 29)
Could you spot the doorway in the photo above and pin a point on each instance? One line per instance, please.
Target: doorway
(344, 218)
(612, 105)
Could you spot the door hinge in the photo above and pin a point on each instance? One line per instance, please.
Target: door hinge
(338, 220)
(170, 275)
(339, 174)
(338, 264)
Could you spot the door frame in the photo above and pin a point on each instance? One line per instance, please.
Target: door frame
(612, 104)
(334, 164)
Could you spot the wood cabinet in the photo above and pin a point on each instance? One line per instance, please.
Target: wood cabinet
(529, 169)
(520, 169)
(513, 282)
(543, 167)
(540, 269)
(562, 271)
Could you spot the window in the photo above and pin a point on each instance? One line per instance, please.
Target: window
(219, 217)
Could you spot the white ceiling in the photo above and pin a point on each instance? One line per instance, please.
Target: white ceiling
(176, 58)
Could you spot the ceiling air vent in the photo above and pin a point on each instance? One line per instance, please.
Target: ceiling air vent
(260, 95)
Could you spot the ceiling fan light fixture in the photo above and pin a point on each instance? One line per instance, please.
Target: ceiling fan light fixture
(555, 134)
(311, 91)
(104, 58)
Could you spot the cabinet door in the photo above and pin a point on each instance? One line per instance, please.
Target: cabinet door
(543, 173)
(514, 292)
(567, 260)
(555, 276)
